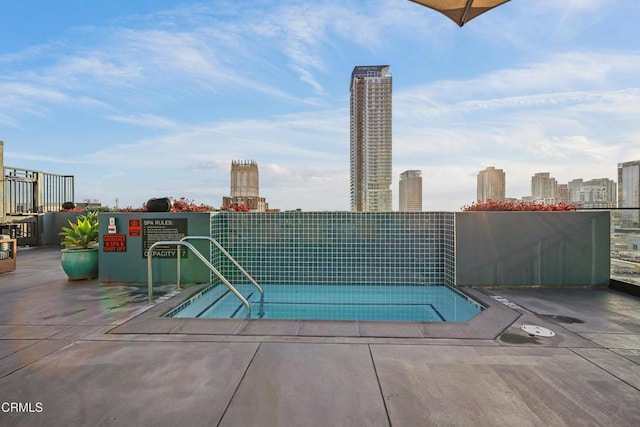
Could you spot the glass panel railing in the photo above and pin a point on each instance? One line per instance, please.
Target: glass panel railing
(625, 245)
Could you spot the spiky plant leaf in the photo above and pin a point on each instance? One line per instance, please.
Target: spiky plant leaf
(81, 234)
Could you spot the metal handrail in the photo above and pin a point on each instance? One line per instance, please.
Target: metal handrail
(201, 258)
(230, 258)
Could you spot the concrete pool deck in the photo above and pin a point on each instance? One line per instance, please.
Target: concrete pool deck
(82, 353)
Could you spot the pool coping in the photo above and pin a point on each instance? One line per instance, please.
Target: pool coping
(488, 325)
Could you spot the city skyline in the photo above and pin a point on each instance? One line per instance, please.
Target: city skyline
(154, 99)
(590, 192)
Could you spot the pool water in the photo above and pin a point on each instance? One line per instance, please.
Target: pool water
(409, 303)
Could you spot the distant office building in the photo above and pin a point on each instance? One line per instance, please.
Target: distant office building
(370, 139)
(544, 187)
(597, 193)
(491, 184)
(629, 192)
(563, 194)
(245, 187)
(574, 189)
(411, 191)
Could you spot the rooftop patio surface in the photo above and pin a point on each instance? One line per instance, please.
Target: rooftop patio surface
(84, 353)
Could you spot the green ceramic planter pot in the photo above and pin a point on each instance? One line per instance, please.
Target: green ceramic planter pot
(80, 263)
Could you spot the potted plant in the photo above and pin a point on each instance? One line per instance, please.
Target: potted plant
(79, 259)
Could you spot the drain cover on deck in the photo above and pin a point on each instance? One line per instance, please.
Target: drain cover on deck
(538, 331)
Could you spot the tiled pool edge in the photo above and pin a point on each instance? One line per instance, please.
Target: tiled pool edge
(487, 325)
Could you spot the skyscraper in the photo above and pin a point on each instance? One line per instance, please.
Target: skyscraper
(370, 139)
(629, 192)
(491, 184)
(411, 191)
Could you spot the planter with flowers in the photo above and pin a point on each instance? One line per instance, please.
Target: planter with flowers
(79, 259)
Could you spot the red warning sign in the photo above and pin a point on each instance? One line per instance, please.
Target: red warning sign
(114, 243)
(135, 227)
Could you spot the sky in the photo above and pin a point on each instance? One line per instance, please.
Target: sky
(155, 98)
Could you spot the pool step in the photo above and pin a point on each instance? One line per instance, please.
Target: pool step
(199, 305)
(226, 307)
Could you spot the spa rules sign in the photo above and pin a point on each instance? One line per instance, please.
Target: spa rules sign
(156, 230)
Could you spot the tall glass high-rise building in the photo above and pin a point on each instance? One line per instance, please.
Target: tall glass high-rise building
(629, 193)
(370, 139)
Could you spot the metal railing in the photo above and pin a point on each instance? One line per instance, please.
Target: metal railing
(230, 258)
(30, 191)
(25, 229)
(201, 258)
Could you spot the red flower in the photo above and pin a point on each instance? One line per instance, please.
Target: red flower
(503, 205)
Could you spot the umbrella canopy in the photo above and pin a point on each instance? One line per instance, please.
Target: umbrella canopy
(461, 11)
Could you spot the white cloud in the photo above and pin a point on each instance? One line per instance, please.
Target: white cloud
(278, 171)
(146, 120)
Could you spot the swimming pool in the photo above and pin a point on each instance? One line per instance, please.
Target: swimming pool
(409, 303)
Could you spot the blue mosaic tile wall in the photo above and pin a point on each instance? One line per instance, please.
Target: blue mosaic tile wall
(337, 247)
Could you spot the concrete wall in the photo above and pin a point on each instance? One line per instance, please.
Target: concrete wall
(50, 225)
(130, 266)
(532, 248)
(491, 248)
